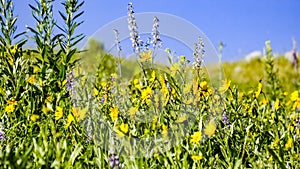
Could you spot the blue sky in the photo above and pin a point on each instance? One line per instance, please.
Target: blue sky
(243, 25)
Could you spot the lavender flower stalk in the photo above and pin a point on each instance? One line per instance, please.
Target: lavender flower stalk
(148, 43)
(226, 119)
(71, 85)
(295, 60)
(198, 54)
(132, 26)
(89, 131)
(117, 42)
(155, 34)
(2, 133)
(114, 161)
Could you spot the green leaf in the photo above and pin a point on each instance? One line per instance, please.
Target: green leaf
(75, 153)
(276, 158)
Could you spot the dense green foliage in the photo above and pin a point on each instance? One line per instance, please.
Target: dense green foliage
(252, 122)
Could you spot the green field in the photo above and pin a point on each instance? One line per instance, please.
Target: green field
(53, 115)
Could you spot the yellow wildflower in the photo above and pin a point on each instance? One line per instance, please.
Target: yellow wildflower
(79, 114)
(113, 113)
(152, 77)
(196, 137)
(47, 108)
(203, 85)
(208, 92)
(264, 101)
(9, 108)
(124, 128)
(289, 143)
(146, 131)
(225, 86)
(59, 113)
(272, 116)
(276, 141)
(14, 50)
(294, 96)
(136, 83)
(36, 69)
(210, 128)
(41, 82)
(182, 59)
(296, 104)
(276, 105)
(34, 117)
(96, 92)
(10, 60)
(291, 126)
(12, 102)
(31, 79)
(103, 84)
(271, 158)
(197, 157)
(64, 82)
(49, 99)
(164, 129)
(146, 56)
(155, 155)
(153, 126)
(164, 88)
(69, 120)
(146, 93)
(257, 93)
(119, 133)
(241, 95)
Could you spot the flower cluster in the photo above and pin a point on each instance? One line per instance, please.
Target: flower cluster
(114, 162)
(226, 119)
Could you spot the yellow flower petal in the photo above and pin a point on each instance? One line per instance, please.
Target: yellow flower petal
(114, 113)
(69, 120)
(210, 128)
(59, 113)
(9, 108)
(197, 157)
(34, 117)
(124, 128)
(196, 137)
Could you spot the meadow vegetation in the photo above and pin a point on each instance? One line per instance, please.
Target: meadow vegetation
(53, 116)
